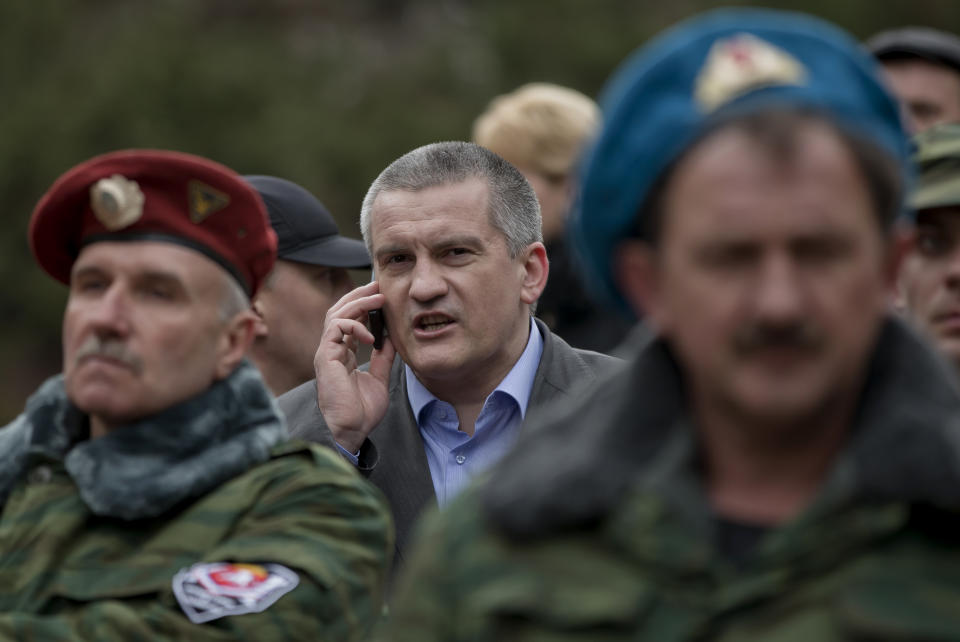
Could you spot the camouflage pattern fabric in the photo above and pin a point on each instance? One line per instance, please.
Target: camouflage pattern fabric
(275, 540)
(937, 160)
(67, 574)
(603, 532)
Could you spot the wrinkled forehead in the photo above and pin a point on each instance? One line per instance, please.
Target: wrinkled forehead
(462, 204)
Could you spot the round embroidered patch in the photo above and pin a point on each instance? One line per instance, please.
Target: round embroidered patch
(213, 590)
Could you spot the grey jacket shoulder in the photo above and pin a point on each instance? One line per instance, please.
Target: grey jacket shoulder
(564, 371)
(304, 420)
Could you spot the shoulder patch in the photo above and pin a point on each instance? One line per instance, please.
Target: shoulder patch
(213, 590)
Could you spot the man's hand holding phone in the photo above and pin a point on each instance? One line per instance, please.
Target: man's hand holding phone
(377, 327)
(353, 401)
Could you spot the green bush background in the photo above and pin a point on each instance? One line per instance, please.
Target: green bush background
(323, 93)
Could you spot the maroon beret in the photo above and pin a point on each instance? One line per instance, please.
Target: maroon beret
(152, 195)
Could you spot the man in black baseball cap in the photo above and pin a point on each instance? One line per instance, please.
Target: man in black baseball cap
(310, 275)
(922, 66)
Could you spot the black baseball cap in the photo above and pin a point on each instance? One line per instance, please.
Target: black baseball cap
(306, 232)
(916, 42)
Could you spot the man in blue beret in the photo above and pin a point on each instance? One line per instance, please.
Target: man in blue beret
(780, 460)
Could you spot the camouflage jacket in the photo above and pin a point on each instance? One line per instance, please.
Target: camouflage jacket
(196, 524)
(603, 531)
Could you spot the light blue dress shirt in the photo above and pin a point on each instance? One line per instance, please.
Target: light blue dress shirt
(455, 457)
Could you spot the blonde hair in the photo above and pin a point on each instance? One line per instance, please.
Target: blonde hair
(539, 126)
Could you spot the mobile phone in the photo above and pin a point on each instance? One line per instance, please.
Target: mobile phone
(377, 327)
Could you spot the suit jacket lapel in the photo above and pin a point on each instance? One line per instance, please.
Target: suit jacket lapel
(403, 472)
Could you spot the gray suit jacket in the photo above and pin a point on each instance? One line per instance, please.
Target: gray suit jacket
(393, 457)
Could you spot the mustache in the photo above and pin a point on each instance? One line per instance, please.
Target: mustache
(762, 336)
(114, 349)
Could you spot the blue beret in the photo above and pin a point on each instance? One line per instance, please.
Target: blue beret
(725, 62)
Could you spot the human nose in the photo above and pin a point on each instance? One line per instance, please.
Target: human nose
(953, 268)
(778, 293)
(427, 281)
(110, 313)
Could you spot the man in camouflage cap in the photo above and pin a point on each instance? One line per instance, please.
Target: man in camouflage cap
(780, 461)
(929, 283)
(148, 492)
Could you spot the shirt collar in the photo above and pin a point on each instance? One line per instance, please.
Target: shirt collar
(518, 383)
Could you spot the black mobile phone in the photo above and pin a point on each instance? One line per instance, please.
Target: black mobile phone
(377, 327)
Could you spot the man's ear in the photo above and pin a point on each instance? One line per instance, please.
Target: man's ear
(235, 341)
(637, 274)
(260, 329)
(535, 268)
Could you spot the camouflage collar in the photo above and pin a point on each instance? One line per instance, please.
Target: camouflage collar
(145, 468)
(904, 446)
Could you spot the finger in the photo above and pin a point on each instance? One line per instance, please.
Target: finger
(353, 295)
(355, 309)
(351, 343)
(382, 360)
(342, 335)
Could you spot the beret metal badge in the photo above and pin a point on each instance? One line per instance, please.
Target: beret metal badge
(741, 64)
(117, 202)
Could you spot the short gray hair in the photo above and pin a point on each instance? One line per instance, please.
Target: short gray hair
(514, 209)
(234, 299)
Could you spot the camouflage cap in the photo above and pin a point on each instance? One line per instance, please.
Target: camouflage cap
(938, 167)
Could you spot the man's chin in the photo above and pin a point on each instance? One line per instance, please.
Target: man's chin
(102, 403)
(436, 366)
(783, 409)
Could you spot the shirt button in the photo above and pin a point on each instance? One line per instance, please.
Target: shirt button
(461, 459)
(40, 475)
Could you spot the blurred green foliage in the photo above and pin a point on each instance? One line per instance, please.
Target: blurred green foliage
(323, 93)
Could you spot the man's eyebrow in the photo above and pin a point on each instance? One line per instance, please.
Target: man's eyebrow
(158, 275)
(468, 240)
(391, 249)
(85, 270)
(461, 239)
(161, 277)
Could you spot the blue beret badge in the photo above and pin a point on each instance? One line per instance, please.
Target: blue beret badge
(741, 64)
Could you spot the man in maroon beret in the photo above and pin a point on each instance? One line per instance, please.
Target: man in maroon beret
(149, 491)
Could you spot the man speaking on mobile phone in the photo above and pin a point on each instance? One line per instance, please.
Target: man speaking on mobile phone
(454, 232)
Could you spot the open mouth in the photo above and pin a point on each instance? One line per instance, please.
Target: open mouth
(433, 322)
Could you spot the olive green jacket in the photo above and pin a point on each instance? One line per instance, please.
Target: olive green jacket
(93, 533)
(604, 532)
